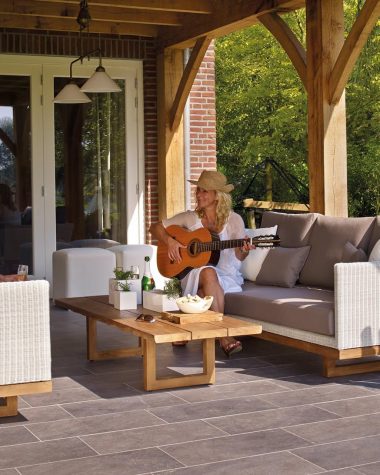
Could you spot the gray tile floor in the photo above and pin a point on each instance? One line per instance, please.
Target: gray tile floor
(270, 412)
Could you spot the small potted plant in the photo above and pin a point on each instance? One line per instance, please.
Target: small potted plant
(124, 298)
(120, 276)
(163, 300)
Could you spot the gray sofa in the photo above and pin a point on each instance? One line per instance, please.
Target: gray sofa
(318, 292)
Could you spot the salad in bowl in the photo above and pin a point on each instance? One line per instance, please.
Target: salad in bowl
(194, 303)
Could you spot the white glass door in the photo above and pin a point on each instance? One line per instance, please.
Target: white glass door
(86, 165)
(21, 168)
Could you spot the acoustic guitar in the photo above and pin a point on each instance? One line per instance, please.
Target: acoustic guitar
(202, 248)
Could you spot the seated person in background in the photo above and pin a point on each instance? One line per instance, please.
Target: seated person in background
(213, 211)
(8, 211)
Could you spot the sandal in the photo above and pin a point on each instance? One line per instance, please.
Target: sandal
(231, 348)
(179, 343)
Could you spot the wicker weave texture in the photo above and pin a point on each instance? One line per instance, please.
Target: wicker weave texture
(357, 304)
(25, 354)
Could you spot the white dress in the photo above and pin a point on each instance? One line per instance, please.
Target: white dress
(228, 267)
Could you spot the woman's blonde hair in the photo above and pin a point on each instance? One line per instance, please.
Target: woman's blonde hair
(223, 209)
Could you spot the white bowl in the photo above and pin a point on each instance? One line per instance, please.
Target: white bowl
(194, 303)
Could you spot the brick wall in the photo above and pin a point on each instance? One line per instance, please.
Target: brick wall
(202, 119)
(202, 97)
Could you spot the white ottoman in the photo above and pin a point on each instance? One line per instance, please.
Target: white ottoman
(80, 272)
(128, 255)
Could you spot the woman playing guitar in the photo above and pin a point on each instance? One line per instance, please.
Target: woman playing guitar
(213, 212)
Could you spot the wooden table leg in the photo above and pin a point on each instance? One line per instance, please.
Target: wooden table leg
(91, 339)
(93, 354)
(209, 359)
(151, 382)
(10, 407)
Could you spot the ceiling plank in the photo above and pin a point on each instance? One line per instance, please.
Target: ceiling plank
(68, 10)
(230, 16)
(185, 6)
(67, 24)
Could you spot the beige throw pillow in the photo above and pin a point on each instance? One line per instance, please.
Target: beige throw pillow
(353, 254)
(282, 266)
(375, 253)
(252, 263)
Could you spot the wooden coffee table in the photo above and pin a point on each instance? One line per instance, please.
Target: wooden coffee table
(150, 334)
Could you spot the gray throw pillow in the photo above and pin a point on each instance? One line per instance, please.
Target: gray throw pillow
(353, 254)
(282, 266)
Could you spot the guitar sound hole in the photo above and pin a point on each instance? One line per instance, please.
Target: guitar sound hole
(192, 248)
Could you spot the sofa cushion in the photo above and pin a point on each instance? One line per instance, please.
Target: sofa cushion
(299, 307)
(375, 253)
(293, 229)
(353, 254)
(328, 237)
(375, 235)
(251, 265)
(282, 266)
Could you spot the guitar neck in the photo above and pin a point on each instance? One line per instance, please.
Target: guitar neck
(262, 241)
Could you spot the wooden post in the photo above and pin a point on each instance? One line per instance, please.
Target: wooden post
(171, 187)
(326, 122)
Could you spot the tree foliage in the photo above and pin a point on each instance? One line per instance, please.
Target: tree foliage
(261, 113)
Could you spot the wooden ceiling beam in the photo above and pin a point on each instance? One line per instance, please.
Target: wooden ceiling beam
(68, 10)
(288, 40)
(352, 48)
(187, 81)
(184, 6)
(67, 24)
(231, 15)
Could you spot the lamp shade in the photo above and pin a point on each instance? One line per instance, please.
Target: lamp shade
(100, 82)
(71, 94)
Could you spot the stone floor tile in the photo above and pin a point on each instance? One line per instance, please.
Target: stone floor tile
(203, 410)
(342, 471)
(91, 425)
(128, 463)
(15, 435)
(342, 429)
(228, 391)
(35, 414)
(370, 469)
(134, 439)
(233, 447)
(331, 392)
(42, 452)
(9, 471)
(270, 419)
(256, 465)
(132, 403)
(348, 453)
(353, 407)
(60, 397)
(272, 372)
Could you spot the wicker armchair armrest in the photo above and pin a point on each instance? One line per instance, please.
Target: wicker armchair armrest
(24, 332)
(357, 304)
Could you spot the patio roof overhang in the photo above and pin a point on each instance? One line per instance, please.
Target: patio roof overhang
(323, 66)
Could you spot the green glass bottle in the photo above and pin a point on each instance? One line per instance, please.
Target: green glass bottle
(147, 282)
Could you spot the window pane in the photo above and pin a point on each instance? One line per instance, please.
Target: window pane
(90, 145)
(15, 174)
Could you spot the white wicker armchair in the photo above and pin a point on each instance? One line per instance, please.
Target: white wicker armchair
(25, 358)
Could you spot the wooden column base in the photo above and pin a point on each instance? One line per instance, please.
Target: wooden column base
(9, 408)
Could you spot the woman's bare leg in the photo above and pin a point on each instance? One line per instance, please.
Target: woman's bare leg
(209, 285)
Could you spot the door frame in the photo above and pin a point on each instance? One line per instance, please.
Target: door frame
(43, 70)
